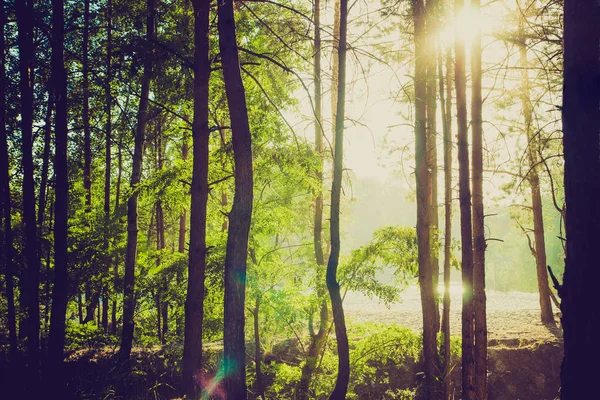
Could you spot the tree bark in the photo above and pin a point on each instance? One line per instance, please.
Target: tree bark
(87, 142)
(547, 316)
(317, 341)
(132, 202)
(107, 158)
(259, 386)
(581, 127)
(423, 184)
(182, 240)
(31, 277)
(479, 245)
(5, 200)
(341, 384)
(241, 211)
(61, 204)
(446, 107)
(194, 302)
(468, 362)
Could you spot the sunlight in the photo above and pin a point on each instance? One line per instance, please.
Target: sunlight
(456, 289)
(468, 24)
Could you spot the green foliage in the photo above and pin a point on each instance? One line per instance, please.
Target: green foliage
(85, 336)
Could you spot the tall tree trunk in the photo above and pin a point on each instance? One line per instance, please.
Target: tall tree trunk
(317, 341)
(446, 107)
(5, 200)
(432, 15)
(423, 184)
(61, 204)
(468, 362)
(241, 211)
(335, 64)
(581, 127)
(45, 161)
(116, 265)
(479, 298)
(194, 301)
(31, 278)
(87, 142)
(341, 384)
(107, 158)
(132, 202)
(547, 316)
(259, 386)
(179, 322)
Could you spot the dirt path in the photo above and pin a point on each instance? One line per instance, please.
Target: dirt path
(513, 317)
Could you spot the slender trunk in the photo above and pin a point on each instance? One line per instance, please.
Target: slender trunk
(431, 14)
(80, 308)
(581, 124)
(182, 240)
(107, 158)
(116, 265)
(194, 301)
(446, 107)
(30, 285)
(335, 64)
(132, 202)
(61, 201)
(5, 200)
(241, 211)
(468, 362)
(479, 297)
(423, 183)
(547, 316)
(87, 143)
(317, 341)
(341, 384)
(45, 161)
(259, 387)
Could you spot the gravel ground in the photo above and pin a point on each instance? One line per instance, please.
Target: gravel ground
(511, 316)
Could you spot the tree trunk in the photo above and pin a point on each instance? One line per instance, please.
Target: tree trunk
(423, 183)
(533, 145)
(317, 341)
(446, 107)
(5, 200)
(61, 204)
(181, 241)
(468, 362)
(581, 124)
(132, 202)
(116, 265)
(107, 158)
(431, 132)
(259, 387)
(194, 302)
(31, 277)
(87, 142)
(479, 297)
(341, 384)
(241, 211)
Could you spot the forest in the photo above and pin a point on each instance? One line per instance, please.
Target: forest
(291, 199)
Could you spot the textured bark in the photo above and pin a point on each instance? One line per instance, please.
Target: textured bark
(479, 297)
(5, 201)
(317, 340)
(581, 127)
(446, 107)
(241, 211)
(31, 276)
(468, 362)
(341, 384)
(61, 204)
(194, 303)
(423, 184)
(132, 202)
(534, 158)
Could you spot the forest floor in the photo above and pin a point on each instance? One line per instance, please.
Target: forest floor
(512, 317)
